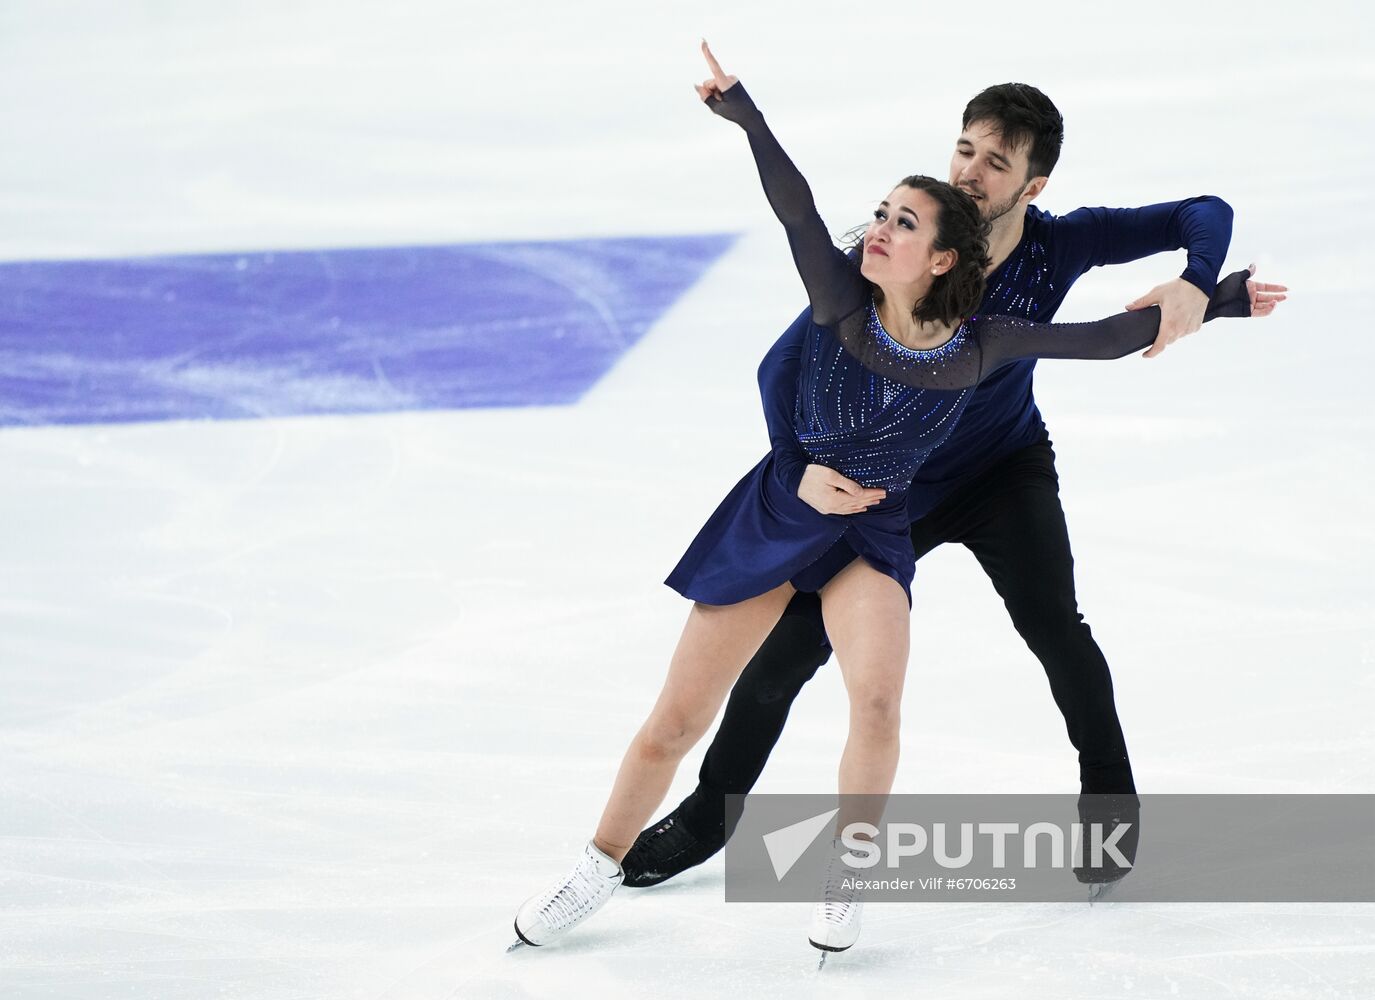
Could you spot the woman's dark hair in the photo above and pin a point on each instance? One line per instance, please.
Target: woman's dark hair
(956, 294)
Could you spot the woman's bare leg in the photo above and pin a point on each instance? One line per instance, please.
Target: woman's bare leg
(868, 621)
(715, 645)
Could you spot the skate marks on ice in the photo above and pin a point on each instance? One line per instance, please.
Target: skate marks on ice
(331, 331)
(983, 953)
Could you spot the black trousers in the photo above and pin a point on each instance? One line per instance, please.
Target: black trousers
(1011, 519)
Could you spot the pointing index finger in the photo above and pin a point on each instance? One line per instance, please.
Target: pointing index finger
(715, 66)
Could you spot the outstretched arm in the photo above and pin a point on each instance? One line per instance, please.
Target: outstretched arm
(834, 287)
(987, 343)
(1004, 339)
(1201, 225)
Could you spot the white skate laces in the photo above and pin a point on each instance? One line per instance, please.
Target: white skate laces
(835, 921)
(578, 895)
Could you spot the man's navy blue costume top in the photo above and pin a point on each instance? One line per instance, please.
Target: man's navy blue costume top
(1002, 417)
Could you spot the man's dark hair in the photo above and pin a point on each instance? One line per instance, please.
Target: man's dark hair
(1023, 116)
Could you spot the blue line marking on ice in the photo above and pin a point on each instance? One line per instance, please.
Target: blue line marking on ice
(222, 336)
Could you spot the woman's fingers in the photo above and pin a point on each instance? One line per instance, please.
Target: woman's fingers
(1265, 293)
(1263, 286)
(717, 74)
(1263, 300)
(843, 484)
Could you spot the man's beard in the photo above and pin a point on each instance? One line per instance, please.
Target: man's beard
(996, 212)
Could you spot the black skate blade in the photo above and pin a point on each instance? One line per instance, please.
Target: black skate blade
(1101, 890)
(825, 951)
(520, 941)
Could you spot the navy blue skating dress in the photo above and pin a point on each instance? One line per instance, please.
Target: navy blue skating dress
(867, 406)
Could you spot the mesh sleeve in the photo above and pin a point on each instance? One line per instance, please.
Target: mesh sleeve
(986, 343)
(834, 285)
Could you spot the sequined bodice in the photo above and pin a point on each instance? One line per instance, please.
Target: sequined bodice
(866, 425)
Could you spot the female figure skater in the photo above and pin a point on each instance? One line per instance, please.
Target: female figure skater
(885, 375)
